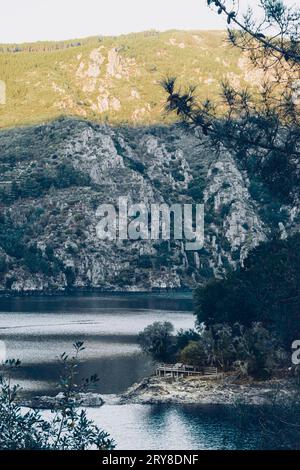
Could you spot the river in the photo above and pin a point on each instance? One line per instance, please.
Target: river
(37, 330)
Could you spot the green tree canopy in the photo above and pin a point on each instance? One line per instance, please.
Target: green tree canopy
(156, 340)
(266, 290)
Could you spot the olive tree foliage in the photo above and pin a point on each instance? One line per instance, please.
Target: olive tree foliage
(156, 340)
(266, 289)
(67, 429)
(260, 122)
(250, 351)
(258, 352)
(215, 347)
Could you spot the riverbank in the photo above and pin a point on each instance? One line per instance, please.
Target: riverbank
(193, 390)
(82, 291)
(86, 400)
(183, 391)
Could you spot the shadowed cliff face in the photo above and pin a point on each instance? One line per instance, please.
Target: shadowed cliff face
(54, 177)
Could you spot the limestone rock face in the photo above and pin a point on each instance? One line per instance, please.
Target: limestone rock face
(204, 391)
(63, 171)
(229, 196)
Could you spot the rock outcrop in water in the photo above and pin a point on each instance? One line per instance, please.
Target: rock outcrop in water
(191, 390)
(89, 400)
(54, 177)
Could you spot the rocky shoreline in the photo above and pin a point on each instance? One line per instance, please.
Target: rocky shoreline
(88, 400)
(9, 294)
(227, 390)
(191, 390)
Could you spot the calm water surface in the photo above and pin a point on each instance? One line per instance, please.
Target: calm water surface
(38, 329)
(174, 427)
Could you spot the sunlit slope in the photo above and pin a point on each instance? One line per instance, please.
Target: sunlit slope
(114, 78)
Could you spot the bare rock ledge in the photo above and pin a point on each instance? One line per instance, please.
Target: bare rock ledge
(193, 390)
(88, 400)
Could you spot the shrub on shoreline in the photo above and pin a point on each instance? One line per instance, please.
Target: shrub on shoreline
(67, 429)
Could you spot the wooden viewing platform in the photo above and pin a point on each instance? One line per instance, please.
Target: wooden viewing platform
(181, 370)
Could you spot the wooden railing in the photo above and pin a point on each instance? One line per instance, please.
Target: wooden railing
(210, 370)
(183, 369)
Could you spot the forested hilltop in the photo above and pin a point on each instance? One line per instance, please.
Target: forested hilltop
(114, 78)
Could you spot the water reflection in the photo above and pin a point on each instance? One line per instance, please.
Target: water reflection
(78, 302)
(38, 329)
(173, 427)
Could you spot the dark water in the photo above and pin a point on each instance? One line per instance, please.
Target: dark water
(175, 427)
(37, 330)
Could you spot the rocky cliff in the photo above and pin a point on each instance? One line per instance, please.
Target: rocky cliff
(54, 177)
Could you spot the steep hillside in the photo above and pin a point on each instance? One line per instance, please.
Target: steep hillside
(113, 78)
(54, 176)
(114, 140)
